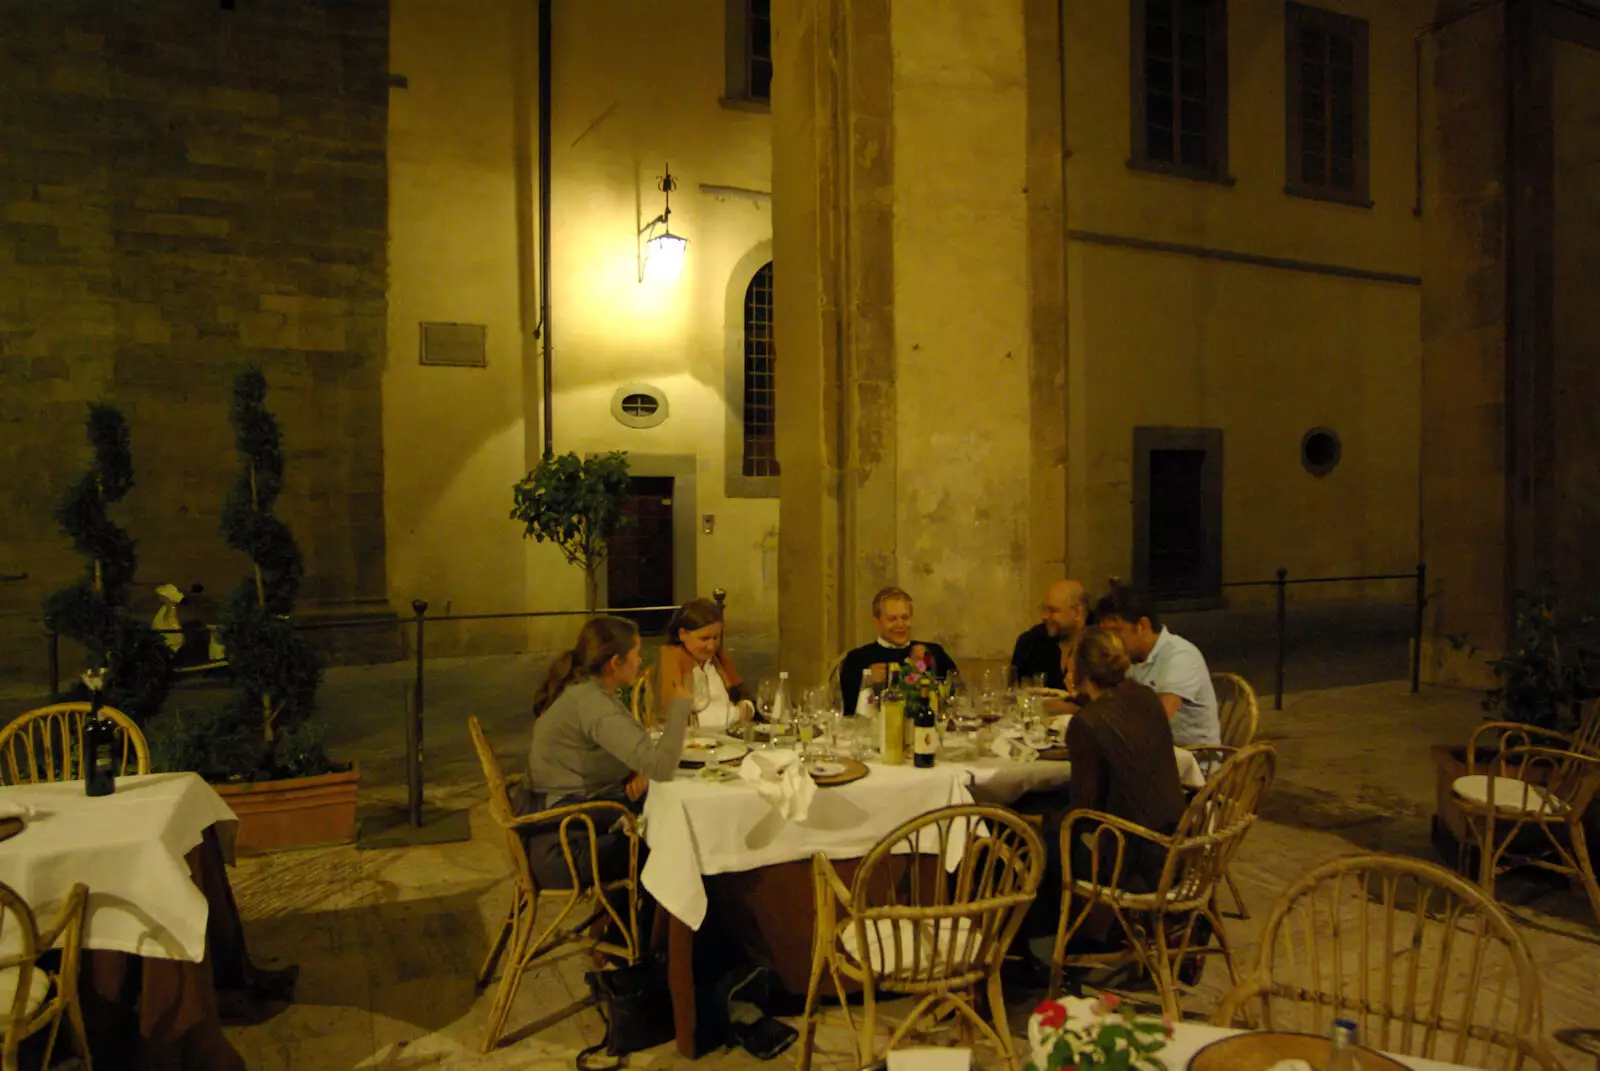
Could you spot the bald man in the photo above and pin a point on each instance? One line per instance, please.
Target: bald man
(1042, 650)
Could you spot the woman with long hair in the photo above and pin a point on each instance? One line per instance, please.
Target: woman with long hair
(587, 746)
(694, 656)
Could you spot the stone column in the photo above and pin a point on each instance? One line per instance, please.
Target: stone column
(917, 238)
(1510, 500)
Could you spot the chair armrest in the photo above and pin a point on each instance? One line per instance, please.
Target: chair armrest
(1512, 731)
(828, 880)
(560, 816)
(1234, 1000)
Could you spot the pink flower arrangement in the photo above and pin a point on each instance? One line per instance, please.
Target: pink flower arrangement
(1080, 1033)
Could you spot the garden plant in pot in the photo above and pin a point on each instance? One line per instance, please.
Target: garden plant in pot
(93, 611)
(263, 748)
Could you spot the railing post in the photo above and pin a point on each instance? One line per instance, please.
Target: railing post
(414, 728)
(55, 664)
(1282, 590)
(1416, 631)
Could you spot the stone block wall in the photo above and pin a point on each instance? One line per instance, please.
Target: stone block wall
(189, 185)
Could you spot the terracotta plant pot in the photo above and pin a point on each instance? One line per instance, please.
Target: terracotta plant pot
(306, 812)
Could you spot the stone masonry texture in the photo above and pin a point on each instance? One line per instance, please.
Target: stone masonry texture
(188, 185)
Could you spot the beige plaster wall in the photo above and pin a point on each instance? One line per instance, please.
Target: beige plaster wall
(464, 248)
(1264, 353)
(962, 321)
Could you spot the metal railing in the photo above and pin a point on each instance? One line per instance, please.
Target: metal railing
(1280, 585)
(417, 706)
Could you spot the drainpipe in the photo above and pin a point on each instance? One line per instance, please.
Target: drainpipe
(544, 227)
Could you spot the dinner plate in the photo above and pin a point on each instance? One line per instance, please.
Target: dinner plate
(1260, 1050)
(725, 751)
(826, 769)
(849, 770)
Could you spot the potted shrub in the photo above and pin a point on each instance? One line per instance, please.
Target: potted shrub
(93, 610)
(577, 505)
(1543, 678)
(264, 748)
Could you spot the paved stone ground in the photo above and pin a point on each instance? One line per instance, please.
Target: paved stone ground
(388, 941)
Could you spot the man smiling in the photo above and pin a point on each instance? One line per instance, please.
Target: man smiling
(891, 613)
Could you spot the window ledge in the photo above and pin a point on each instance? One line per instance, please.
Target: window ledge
(745, 104)
(1338, 197)
(1181, 171)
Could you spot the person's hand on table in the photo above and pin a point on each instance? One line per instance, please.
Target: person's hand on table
(744, 711)
(636, 786)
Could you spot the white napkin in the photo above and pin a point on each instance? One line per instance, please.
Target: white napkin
(780, 778)
(1059, 723)
(919, 1059)
(1292, 1065)
(13, 809)
(1012, 749)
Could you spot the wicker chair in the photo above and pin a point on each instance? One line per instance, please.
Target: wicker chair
(908, 925)
(1425, 964)
(1237, 710)
(47, 744)
(1541, 783)
(1214, 757)
(643, 699)
(586, 895)
(1178, 919)
(40, 997)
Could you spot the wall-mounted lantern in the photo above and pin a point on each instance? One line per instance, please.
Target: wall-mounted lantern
(661, 253)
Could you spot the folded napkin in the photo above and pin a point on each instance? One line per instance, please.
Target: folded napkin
(13, 809)
(1059, 723)
(780, 778)
(1013, 749)
(1292, 1065)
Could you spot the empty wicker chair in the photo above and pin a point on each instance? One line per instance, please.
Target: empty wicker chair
(905, 925)
(38, 998)
(47, 744)
(1422, 961)
(1526, 807)
(584, 901)
(1177, 920)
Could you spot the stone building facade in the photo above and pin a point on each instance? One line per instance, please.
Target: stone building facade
(1043, 283)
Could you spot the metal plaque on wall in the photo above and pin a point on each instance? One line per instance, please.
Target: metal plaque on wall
(455, 345)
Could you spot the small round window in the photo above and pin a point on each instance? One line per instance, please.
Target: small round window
(639, 405)
(1320, 451)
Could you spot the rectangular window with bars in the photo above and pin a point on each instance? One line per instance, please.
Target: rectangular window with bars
(1325, 91)
(1180, 87)
(758, 49)
(760, 379)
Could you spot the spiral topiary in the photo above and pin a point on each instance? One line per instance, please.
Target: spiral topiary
(93, 611)
(275, 669)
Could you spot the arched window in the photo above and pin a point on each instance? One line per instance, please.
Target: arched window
(760, 378)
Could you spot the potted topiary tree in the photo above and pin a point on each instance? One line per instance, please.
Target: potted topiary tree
(577, 505)
(265, 748)
(93, 610)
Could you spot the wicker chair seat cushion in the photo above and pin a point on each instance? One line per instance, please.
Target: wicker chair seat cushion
(923, 948)
(38, 990)
(1510, 794)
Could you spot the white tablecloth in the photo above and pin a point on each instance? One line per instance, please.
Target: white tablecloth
(997, 780)
(1190, 1038)
(696, 827)
(129, 849)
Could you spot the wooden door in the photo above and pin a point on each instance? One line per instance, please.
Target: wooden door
(639, 558)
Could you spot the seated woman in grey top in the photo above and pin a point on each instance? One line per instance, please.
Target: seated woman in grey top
(586, 746)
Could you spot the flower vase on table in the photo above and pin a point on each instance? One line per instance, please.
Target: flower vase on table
(1094, 1032)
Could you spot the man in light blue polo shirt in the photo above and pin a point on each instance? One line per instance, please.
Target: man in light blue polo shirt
(1169, 664)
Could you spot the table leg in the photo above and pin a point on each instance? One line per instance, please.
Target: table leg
(680, 980)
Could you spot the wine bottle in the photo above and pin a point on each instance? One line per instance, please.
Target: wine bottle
(892, 706)
(99, 740)
(926, 738)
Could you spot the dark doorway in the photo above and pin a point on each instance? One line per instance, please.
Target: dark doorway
(1177, 527)
(1178, 513)
(639, 558)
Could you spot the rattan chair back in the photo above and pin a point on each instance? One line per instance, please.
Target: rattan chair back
(46, 744)
(1237, 710)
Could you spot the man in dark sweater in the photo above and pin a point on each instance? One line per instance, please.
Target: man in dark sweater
(891, 612)
(1042, 651)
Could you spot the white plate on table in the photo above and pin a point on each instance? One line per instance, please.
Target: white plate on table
(826, 769)
(714, 750)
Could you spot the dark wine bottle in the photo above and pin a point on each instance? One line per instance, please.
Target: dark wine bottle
(99, 744)
(925, 738)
